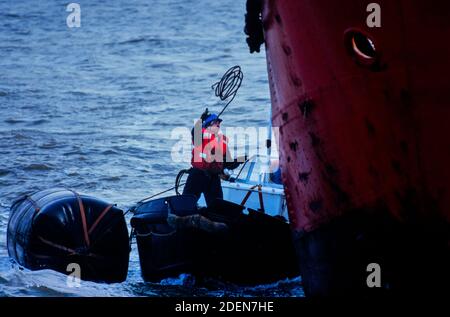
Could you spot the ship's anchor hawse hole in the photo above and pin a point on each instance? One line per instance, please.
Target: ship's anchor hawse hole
(361, 47)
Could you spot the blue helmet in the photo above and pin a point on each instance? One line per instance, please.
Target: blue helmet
(210, 119)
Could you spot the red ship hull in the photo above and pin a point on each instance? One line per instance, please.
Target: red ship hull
(364, 117)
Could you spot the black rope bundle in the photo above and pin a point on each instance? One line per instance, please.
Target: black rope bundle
(178, 180)
(229, 85)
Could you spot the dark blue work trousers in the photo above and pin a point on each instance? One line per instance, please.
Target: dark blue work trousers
(201, 181)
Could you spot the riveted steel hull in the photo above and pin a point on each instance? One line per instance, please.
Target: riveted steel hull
(362, 140)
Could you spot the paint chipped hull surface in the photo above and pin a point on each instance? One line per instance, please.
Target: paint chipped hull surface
(363, 115)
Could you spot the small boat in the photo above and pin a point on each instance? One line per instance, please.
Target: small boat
(225, 242)
(255, 185)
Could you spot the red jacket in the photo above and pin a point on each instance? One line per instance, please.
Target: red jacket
(209, 154)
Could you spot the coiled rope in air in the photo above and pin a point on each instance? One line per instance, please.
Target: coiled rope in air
(229, 85)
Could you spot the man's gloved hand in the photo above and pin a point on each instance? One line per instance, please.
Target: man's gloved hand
(225, 175)
(204, 115)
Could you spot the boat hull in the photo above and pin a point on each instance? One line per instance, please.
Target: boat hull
(254, 248)
(364, 145)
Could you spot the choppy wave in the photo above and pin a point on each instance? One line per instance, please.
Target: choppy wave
(38, 167)
(13, 120)
(18, 281)
(4, 172)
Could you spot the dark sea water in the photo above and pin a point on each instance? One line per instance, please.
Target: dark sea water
(92, 109)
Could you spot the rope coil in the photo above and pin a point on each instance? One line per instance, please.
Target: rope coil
(229, 85)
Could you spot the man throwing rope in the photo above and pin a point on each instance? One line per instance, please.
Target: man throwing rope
(210, 156)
